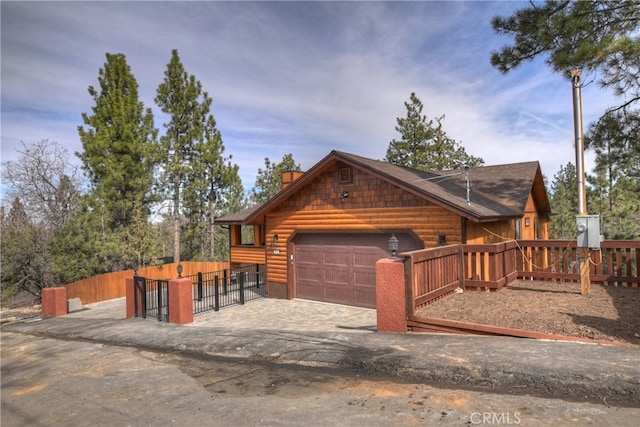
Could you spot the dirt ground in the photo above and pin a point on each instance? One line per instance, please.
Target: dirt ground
(58, 382)
(19, 307)
(609, 313)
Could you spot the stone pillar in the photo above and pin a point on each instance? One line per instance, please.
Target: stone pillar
(130, 294)
(54, 301)
(391, 296)
(180, 301)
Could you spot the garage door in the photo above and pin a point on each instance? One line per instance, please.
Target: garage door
(340, 268)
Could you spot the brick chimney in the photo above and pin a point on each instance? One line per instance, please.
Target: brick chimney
(289, 176)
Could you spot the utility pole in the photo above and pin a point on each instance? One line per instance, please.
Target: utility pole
(582, 220)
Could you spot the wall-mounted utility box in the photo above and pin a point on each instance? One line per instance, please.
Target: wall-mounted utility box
(588, 231)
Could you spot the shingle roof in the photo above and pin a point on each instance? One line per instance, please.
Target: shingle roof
(495, 192)
(443, 187)
(238, 217)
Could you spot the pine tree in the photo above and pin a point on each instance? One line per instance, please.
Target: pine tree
(424, 144)
(195, 172)
(600, 38)
(595, 36)
(269, 180)
(616, 142)
(564, 203)
(85, 246)
(119, 144)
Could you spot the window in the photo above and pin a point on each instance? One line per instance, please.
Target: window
(518, 229)
(247, 235)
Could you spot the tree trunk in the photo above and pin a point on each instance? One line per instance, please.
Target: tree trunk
(176, 223)
(212, 228)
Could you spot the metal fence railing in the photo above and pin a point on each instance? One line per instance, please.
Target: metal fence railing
(217, 289)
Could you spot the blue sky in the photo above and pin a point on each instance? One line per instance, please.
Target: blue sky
(293, 77)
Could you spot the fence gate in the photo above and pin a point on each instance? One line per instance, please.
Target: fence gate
(151, 298)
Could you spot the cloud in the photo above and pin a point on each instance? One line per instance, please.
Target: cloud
(290, 77)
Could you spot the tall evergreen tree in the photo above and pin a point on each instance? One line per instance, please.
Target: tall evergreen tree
(119, 156)
(269, 180)
(195, 172)
(602, 38)
(564, 203)
(84, 247)
(232, 199)
(424, 144)
(615, 139)
(595, 36)
(616, 142)
(119, 144)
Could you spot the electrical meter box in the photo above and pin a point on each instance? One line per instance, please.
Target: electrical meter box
(588, 231)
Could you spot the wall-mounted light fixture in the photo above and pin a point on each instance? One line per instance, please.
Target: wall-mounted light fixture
(527, 222)
(345, 194)
(179, 268)
(274, 242)
(393, 246)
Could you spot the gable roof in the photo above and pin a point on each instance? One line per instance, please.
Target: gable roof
(495, 192)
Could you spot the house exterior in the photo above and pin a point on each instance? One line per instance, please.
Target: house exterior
(322, 234)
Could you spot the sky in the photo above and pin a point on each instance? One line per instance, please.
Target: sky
(303, 78)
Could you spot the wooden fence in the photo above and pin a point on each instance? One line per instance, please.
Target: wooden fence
(432, 273)
(112, 285)
(617, 263)
(491, 266)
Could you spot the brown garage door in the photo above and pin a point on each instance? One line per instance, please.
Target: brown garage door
(340, 268)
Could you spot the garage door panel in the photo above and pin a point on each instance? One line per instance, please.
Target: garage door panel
(312, 292)
(306, 256)
(340, 268)
(308, 273)
(339, 294)
(365, 299)
(366, 258)
(364, 278)
(337, 276)
(335, 257)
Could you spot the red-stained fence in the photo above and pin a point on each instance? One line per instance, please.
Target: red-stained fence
(616, 263)
(433, 273)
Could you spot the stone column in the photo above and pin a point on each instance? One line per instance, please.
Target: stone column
(391, 296)
(54, 301)
(180, 301)
(130, 294)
